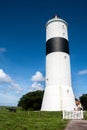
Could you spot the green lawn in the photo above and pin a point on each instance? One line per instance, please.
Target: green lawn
(85, 115)
(25, 120)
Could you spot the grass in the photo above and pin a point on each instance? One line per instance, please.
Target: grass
(29, 120)
(85, 115)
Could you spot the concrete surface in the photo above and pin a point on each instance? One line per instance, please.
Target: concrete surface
(77, 125)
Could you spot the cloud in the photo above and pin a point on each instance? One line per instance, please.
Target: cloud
(37, 86)
(38, 77)
(8, 99)
(82, 72)
(5, 78)
(16, 87)
(2, 50)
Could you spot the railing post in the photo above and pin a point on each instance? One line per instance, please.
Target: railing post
(72, 114)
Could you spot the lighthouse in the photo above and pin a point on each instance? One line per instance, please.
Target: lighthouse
(58, 94)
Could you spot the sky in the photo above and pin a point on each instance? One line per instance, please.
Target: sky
(23, 45)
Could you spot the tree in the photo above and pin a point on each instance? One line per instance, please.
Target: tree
(83, 100)
(31, 100)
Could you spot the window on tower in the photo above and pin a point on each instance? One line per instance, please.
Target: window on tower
(65, 57)
(63, 26)
(63, 33)
(47, 79)
(67, 91)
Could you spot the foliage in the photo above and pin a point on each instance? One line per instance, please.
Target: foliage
(83, 100)
(31, 100)
(30, 120)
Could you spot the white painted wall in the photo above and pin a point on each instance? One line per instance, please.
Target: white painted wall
(56, 28)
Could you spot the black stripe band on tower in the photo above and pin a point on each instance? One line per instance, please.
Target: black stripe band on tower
(57, 44)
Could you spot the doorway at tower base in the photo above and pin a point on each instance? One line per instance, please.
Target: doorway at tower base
(58, 99)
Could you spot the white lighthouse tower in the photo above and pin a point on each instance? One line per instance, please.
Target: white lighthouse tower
(58, 93)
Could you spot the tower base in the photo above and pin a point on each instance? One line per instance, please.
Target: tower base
(58, 99)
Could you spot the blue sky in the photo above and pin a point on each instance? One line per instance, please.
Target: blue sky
(22, 45)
